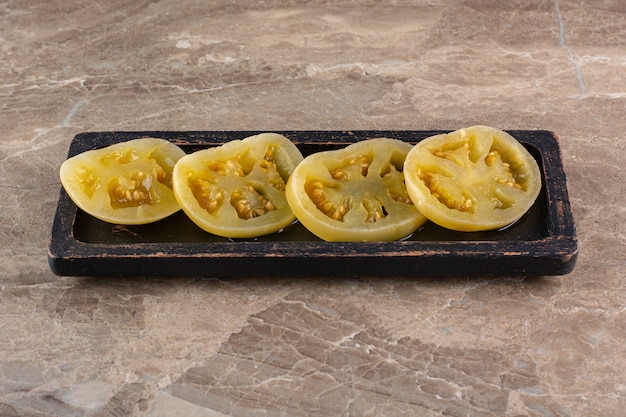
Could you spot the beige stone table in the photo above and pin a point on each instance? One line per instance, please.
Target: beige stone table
(343, 346)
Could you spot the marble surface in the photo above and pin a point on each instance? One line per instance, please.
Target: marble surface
(344, 346)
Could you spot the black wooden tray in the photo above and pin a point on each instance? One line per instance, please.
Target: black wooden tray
(543, 242)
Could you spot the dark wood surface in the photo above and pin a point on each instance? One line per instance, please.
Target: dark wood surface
(543, 242)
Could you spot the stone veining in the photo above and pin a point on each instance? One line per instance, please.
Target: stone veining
(570, 53)
(342, 368)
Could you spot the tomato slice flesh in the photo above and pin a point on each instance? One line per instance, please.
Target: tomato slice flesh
(237, 190)
(356, 193)
(473, 179)
(124, 183)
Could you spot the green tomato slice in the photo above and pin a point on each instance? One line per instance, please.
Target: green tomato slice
(237, 190)
(124, 183)
(356, 193)
(474, 179)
